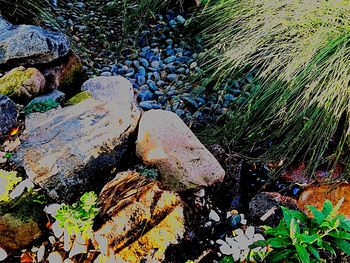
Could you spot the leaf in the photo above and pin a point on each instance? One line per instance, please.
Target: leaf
(279, 256)
(326, 246)
(301, 216)
(337, 207)
(278, 242)
(343, 245)
(314, 252)
(280, 230)
(345, 225)
(308, 238)
(340, 235)
(327, 208)
(302, 253)
(319, 217)
(227, 259)
(287, 216)
(294, 228)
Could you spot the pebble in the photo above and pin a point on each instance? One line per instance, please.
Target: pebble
(172, 77)
(214, 216)
(106, 74)
(3, 254)
(234, 220)
(146, 105)
(55, 257)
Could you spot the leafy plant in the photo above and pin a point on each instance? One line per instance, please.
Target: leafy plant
(302, 239)
(301, 51)
(8, 180)
(150, 173)
(78, 218)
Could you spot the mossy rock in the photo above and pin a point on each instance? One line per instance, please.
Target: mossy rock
(78, 98)
(21, 82)
(22, 221)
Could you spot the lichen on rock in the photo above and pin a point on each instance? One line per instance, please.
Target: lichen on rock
(22, 83)
(81, 96)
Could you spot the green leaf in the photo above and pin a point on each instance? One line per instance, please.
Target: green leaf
(319, 217)
(343, 245)
(280, 230)
(326, 246)
(279, 242)
(302, 253)
(299, 215)
(327, 208)
(287, 216)
(308, 238)
(227, 259)
(314, 252)
(340, 235)
(279, 256)
(345, 225)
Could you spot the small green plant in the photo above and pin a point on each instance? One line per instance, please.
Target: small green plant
(302, 239)
(8, 180)
(78, 218)
(150, 173)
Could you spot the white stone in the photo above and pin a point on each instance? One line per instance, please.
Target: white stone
(55, 257)
(214, 216)
(249, 232)
(3, 254)
(52, 209)
(56, 229)
(40, 254)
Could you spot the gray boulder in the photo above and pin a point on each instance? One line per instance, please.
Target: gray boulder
(26, 44)
(70, 151)
(8, 115)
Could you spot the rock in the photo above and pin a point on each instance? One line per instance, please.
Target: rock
(25, 44)
(67, 151)
(114, 89)
(65, 74)
(142, 219)
(165, 142)
(265, 208)
(8, 115)
(21, 222)
(21, 83)
(146, 105)
(40, 106)
(214, 216)
(55, 95)
(317, 195)
(55, 257)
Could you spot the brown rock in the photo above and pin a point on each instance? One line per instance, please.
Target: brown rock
(21, 222)
(164, 141)
(317, 195)
(142, 220)
(66, 74)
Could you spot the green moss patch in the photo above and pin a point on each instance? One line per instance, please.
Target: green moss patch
(14, 80)
(41, 106)
(78, 98)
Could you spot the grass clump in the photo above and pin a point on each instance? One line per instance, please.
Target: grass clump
(301, 51)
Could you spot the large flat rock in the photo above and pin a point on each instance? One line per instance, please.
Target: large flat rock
(26, 44)
(66, 151)
(164, 141)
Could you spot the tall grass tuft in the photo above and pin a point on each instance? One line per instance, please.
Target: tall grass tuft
(26, 11)
(301, 50)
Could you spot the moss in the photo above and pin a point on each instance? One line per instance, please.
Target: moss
(78, 98)
(41, 106)
(14, 80)
(28, 205)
